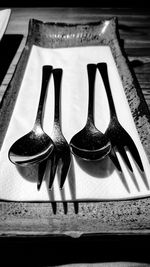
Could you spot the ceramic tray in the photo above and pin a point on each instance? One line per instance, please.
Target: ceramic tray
(72, 45)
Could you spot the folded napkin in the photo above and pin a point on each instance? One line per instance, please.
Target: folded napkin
(86, 180)
(4, 18)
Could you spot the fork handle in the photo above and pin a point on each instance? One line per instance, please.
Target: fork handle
(57, 75)
(102, 67)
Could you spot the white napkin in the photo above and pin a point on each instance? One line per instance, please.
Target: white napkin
(4, 18)
(86, 181)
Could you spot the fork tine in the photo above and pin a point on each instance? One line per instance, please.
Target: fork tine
(54, 162)
(135, 154)
(64, 169)
(122, 152)
(114, 159)
(41, 172)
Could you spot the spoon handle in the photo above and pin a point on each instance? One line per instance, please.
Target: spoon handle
(57, 75)
(91, 69)
(46, 73)
(102, 67)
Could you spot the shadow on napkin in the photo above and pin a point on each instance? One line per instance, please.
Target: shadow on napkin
(40, 172)
(103, 169)
(99, 169)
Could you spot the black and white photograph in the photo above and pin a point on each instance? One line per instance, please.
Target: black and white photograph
(75, 134)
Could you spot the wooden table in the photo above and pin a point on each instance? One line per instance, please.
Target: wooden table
(104, 221)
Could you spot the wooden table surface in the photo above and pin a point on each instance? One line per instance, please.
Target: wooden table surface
(38, 219)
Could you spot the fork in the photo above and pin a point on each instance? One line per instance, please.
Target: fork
(61, 154)
(118, 136)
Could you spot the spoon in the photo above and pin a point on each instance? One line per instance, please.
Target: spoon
(90, 143)
(36, 145)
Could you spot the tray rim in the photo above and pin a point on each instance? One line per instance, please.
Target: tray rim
(11, 95)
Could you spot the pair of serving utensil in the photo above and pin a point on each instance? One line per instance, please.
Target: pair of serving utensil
(89, 143)
(36, 146)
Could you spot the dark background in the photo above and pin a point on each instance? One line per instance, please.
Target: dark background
(75, 3)
(54, 251)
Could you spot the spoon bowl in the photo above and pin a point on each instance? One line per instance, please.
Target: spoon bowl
(90, 143)
(31, 148)
(36, 145)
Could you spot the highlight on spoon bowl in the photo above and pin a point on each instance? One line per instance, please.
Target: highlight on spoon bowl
(90, 155)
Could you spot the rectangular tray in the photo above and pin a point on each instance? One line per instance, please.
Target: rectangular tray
(50, 35)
